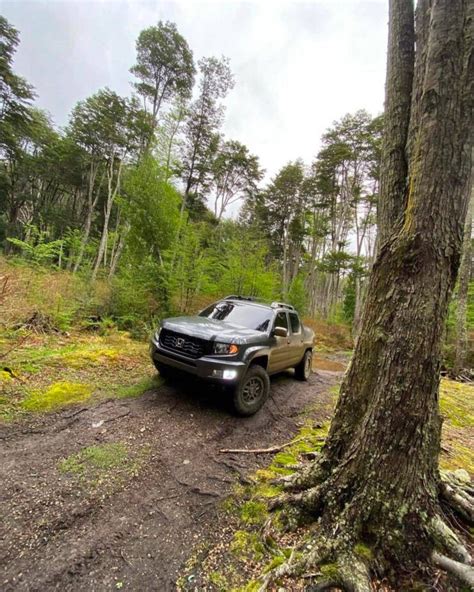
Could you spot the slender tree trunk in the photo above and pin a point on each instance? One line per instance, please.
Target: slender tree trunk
(118, 251)
(111, 194)
(463, 291)
(377, 480)
(91, 204)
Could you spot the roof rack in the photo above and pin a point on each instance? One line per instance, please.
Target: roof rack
(282, 305)
(238, 297)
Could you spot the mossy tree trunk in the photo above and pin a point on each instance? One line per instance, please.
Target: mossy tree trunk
(377, 480)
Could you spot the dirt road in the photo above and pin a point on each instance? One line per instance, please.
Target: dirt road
(134, 534)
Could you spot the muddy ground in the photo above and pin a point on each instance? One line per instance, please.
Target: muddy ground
(134, 533)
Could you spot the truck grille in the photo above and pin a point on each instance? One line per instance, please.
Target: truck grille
(192, 347)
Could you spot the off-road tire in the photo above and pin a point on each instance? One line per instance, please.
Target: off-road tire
(303, 369)
(252, 391)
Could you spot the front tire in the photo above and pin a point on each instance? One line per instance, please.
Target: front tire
(303, 370)
(251, 392)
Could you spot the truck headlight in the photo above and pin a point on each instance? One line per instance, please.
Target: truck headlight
(157, 333)
(229, 349)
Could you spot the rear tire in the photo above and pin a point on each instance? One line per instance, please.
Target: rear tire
(303, 370)
(252, 391)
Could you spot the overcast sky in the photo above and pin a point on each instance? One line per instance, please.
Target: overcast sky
(298, 64)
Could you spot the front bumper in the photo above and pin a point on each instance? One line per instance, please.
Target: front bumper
(207, 367)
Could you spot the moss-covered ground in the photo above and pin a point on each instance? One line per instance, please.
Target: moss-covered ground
(46, 372)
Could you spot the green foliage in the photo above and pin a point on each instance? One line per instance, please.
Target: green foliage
(136, 195)
(297, 294)
(151, 206)
(349, 302)
(37, 248)
(164, 67)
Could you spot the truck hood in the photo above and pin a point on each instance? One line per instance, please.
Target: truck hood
(211, 329)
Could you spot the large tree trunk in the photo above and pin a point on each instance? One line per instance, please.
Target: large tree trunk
(377, 480)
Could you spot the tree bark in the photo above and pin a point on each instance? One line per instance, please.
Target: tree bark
(398, 92)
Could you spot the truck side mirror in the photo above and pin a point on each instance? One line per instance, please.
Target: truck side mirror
(280, 332)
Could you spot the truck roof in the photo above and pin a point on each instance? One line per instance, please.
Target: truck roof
(252, 300)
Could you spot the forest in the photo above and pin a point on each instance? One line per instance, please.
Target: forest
(141, 208)
(146, 192)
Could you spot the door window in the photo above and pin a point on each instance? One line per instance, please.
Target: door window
(281, 320)
(295, 323)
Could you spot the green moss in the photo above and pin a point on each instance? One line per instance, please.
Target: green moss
(57, 395)
(285, 458)
(95, 459)
(267, 491)
(363, 551)
(274, 563)
(89, 357)
(135, 390)
(460, 457)
(106, 466)
(253, 512)
(5, 376)
(252, 586)
(247, 545)
(330, 571)
(218, 580)
(457, 403)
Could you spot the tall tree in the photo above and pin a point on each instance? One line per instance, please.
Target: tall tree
(235, 174)
(109, 128)
(15, 92)
(164, 68)
(16, 123)
(282, 210)
(377, 482)
(201, 133)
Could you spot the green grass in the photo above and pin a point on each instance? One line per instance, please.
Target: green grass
(135, 390)
(95, 459)
(104, 467)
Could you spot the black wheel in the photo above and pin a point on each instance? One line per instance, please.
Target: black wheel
(303, 370)
(252, 391)
(166, 372)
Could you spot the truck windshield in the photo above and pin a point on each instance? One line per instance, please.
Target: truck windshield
(251, 317)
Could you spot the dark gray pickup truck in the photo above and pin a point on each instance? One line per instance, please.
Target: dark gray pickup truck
(237, 342)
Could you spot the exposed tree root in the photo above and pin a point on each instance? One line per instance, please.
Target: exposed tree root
(275, 448)
(447, 540)
(333, 562)
(458, 494)
(461, 571)
(334, 569)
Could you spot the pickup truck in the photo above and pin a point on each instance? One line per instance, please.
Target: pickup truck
(237, 342)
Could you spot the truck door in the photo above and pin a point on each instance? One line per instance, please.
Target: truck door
(280, 348)
(296, 339)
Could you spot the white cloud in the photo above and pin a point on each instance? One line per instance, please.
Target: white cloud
(298, 64)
